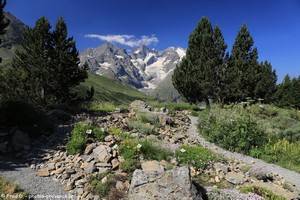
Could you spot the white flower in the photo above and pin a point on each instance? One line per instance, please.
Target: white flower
(138, 146)
(182, 150)
(115, 146)
(89, 131)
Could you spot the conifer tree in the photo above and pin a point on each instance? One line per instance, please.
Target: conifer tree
(194, 77)
(243, 66)
(33, 64)
(67, 71)
(266, 85)
(220, 65)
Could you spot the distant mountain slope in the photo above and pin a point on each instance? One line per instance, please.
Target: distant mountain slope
(165, 90)
(12, 38)
(110, 90)
(143, 68)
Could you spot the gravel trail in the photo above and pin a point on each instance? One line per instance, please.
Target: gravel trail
(195, 137)
(26, 178)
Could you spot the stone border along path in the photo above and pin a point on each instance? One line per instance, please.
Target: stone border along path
(290, 176)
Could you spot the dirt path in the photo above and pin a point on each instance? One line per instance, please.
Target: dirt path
(195, 137)
(26, 178)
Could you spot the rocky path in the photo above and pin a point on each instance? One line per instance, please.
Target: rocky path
(25, 177)
(195, 137)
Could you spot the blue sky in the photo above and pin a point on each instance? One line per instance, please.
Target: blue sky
(274, 24)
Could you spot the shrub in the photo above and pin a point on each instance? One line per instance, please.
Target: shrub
(237, 133)
(292, 133)
(132, 149)
(282, 152)
(265, 193)
(141, 127)
(9, 189)
(197, 156)
(104, 189)
(148, 117)
(78, 138)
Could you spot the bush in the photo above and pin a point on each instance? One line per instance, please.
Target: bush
(104, 189)
(132, 149)
(141, 127)
(237, 133)
(197, 156)
(292, 133)
(282, 152)
(78, 138)
(148, 117)
(265, 193)
(26, 117)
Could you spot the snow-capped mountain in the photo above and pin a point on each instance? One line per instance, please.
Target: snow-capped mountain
(142, 67)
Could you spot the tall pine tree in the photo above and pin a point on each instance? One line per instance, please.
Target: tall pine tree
(194, 77)
(3, 20)
(67, 72)
(243, 66)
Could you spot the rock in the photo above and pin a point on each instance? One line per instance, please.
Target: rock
(51, 166)
(172, 184)
(152, 166)
(102, 153)
(220, 167)
(89, 148)
(120, 186)
(230, 194)
(58, 171)
(20, 140)
(70, 171)
(115, 163)
(109, 138)
(261, 173)
(165, 120)
(43, 172)
(69, 186)
(235, 178)
(90, 168)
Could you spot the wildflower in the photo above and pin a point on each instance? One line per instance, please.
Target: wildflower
(138, 146)
(115, 146)
(182, 150)
(89, 131)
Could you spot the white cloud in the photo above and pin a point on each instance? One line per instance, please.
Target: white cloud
(128, 40)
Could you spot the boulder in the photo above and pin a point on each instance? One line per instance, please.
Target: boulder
(20, 140)
(172, 184)
(43, 172)
(261, 173)
(89, 148)
(102, 153)
(152, 166)
(235, 178)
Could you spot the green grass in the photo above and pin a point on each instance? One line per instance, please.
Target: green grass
(144, 128)
(197, 156)
(9, 191)
(174, 106)
(148, 117)
(265, 193)
(108, 90)
(79, 137)
(262, 131)
(96, 106)
(133, 149)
